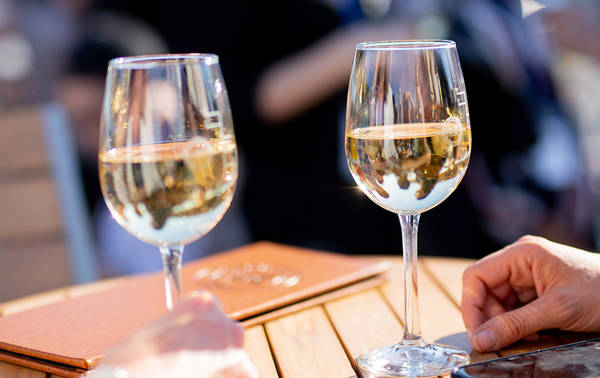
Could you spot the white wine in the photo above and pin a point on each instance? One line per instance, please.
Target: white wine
(172, 193)
(409, 168)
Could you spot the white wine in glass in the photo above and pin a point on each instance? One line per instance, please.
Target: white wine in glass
(168, 158)
(408, 143)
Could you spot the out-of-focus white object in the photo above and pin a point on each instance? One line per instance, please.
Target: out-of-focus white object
(17, 56)
(375, 8)
(529, 7)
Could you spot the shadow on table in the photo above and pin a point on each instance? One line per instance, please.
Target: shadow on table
(458, 340)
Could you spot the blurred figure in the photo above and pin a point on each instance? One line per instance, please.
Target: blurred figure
(530, 174)
(287, 81)
(35, 37)
(574, 26)
(80, 92)
(196, 339)
(526, 173)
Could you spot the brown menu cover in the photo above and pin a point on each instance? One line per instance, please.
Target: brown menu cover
(249, 281)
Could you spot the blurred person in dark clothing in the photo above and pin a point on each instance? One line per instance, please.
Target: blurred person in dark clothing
(80, 87)
(286, 65)
(80, 91)
(527, 173)
(35, 37)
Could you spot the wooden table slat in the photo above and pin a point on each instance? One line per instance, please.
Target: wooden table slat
(448, 274)
(257, 347)
(305, 345)
(364, 321)
(323, 340)
(441, 320)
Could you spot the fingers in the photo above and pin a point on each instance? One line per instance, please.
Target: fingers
(197, 302)
(240, 367)
(493, 307)
(498, 274)
(508, 327)
(199, 313)
(473, 302)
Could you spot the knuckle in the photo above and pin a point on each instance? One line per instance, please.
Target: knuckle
(473, 271)
(532, 241)
(533, 246)
(514, 326)
(238, 335)
(200, 302)
(528, 238)
(468, 273)
(201, 296)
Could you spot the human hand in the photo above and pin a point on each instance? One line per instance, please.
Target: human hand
(196, 339)
(530, 285)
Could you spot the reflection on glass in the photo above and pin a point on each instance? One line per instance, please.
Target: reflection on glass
(408, 143)
(168, 158)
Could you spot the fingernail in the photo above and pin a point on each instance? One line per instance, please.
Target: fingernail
(201, 294)
(485, 340)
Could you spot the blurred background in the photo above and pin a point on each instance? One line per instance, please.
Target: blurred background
(532, 71)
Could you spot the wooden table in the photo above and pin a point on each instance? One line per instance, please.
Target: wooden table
(324, 340)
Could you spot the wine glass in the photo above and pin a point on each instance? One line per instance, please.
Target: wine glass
(167, 158)
(408, 143)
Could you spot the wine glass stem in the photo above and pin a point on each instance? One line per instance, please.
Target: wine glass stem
(171, 257)
(412, 320)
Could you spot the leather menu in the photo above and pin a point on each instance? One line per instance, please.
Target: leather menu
(250, 281)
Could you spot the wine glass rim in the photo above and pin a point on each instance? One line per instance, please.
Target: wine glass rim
(145, 61)
(415, 44)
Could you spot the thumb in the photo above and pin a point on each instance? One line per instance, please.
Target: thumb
(506, 328)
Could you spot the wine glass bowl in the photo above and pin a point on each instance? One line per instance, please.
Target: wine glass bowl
(408, 144)
(190, 187)
(167, 158)
(408, 168)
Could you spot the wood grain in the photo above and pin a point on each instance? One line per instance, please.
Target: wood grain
(32, 268)
(441, 321)
(33, 253)
(30, 209)
(364, 321)
(447, 272)
(305, 345)
(22, 144)
(257, 347)
(317, 300)
(322, 341)
(12, 371)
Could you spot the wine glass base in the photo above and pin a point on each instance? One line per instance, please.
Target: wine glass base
(404, 359)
